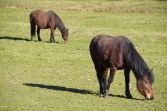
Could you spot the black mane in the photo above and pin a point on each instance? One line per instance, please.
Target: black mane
(136, 62)
(59, 22)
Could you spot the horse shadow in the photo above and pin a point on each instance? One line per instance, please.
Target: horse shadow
(17, 38)
(60, 88)
(73, 90)
(13, 38)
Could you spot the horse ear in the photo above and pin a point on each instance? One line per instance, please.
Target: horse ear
(67, 29)
(151, 70)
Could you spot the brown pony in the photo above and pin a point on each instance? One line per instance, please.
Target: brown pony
(46, 20)
(116, 53)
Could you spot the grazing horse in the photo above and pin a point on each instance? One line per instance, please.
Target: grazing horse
(117, 53)
(46, 20)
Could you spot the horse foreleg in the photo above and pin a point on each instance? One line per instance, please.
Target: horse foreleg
(110, 80)
(127, 80)
(52, 38)
(38, 33)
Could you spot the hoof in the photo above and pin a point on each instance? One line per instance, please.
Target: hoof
(101, 95)
(129, 96)
(106, 95)
(66, 41)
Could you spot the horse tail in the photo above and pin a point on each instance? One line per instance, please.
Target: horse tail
(33, 27)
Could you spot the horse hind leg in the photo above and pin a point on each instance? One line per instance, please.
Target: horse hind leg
(99, 74)
(33, 27)
(104, 72)
(98, 67)
(100, 79)
(110, 80)
(38, 33)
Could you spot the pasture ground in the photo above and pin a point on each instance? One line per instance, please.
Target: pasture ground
(46, 76)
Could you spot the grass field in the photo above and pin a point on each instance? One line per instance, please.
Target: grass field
(43, 76)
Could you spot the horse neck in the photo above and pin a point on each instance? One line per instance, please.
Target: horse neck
(61, 28)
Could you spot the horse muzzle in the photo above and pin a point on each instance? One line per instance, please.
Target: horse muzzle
(66, 41)
(149, 98)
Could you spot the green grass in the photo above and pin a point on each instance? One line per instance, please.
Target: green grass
(46, 76)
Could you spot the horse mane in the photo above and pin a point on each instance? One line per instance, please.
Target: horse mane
(136, 62)
(59, 23)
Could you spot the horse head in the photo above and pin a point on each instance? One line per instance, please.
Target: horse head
(65, 35)
(144, 85)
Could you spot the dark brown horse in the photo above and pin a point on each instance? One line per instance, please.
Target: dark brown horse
(46, 20)
(116, 53)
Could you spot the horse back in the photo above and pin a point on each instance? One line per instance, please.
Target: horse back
(108, 50)
(41, 18)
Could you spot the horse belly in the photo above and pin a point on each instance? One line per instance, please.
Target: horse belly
(41, 21)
